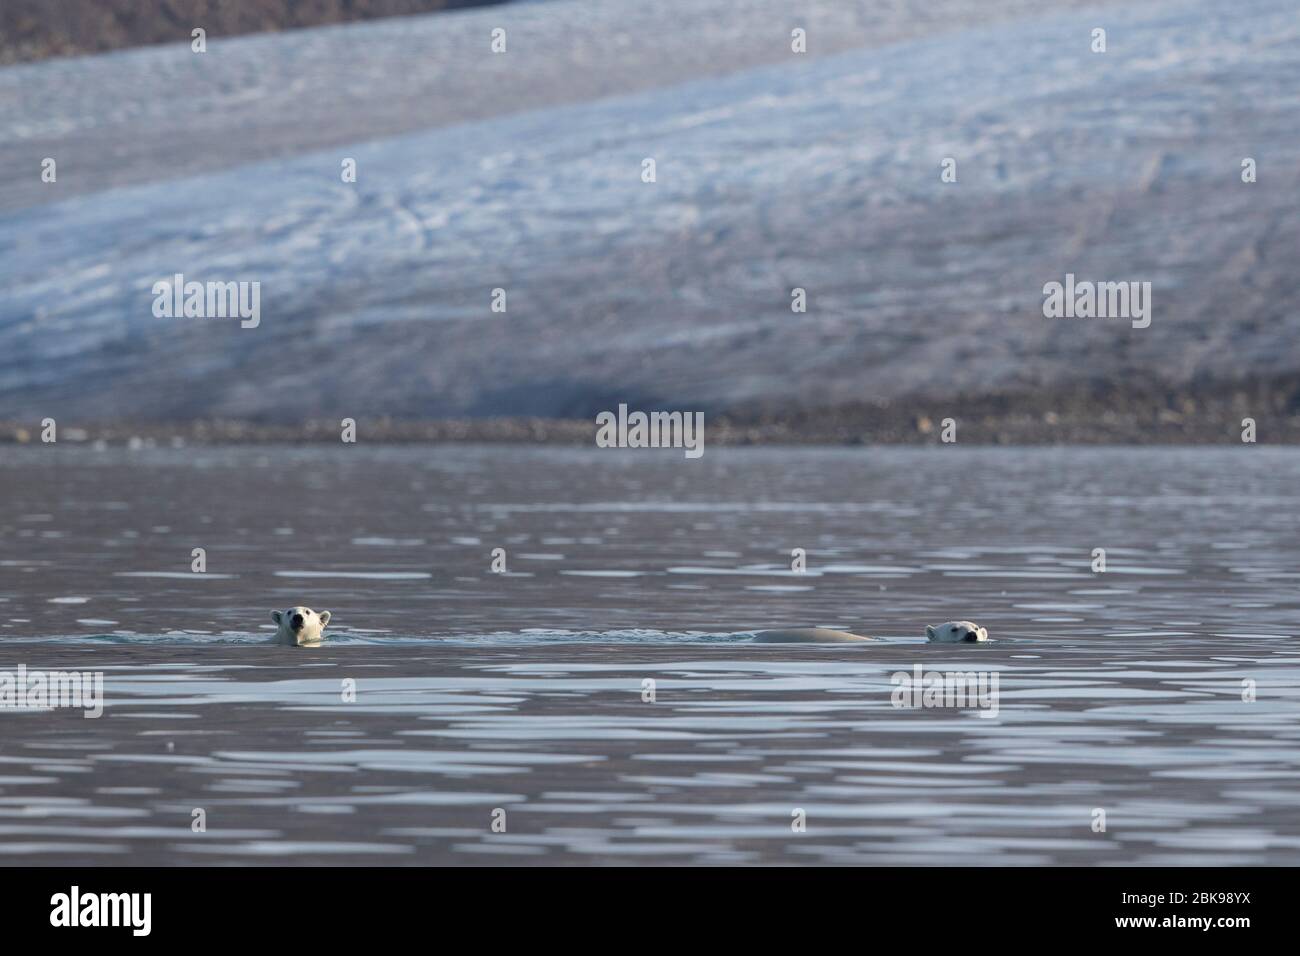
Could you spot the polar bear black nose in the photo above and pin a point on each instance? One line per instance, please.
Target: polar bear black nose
(296, 620)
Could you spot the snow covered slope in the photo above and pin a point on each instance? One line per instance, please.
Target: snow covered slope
(814, 172)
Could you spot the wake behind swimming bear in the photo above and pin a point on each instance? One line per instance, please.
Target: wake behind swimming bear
(300, 626)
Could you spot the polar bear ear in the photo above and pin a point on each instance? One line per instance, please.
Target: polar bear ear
(929, 631)
(324, 618)
(275, 616)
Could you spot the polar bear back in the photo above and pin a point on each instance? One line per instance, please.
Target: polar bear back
(808, 635)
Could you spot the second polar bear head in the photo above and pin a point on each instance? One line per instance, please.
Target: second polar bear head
(956, 632)
(300, 626)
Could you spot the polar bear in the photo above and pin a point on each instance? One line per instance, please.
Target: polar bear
(808, 635)
(300, 626)
(956, 632)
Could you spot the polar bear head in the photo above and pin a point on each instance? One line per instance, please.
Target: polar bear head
(300, 626)
(956, 632)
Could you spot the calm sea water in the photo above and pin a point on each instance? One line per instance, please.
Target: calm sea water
(1164, 691)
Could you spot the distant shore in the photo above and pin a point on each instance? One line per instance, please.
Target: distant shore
(1211, 417)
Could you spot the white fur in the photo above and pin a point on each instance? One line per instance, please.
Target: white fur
(956, 632)
(310, 633)
(808, 635)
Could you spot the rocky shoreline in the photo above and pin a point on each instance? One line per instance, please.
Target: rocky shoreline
(1099, 417)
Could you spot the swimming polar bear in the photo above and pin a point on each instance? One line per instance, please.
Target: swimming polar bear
(808, 635)
(956, 632)
(300, 626)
